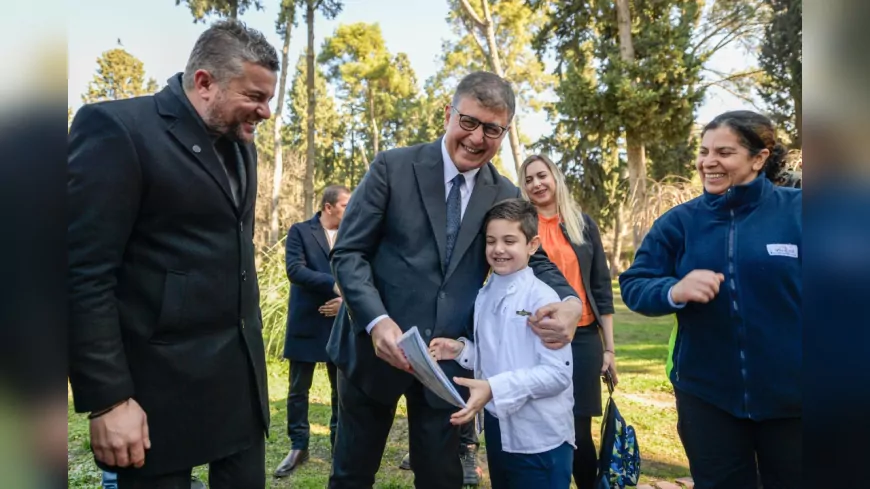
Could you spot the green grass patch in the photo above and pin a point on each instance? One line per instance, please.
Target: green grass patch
(644, 397)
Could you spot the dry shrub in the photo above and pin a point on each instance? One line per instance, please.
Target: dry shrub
(274, 297)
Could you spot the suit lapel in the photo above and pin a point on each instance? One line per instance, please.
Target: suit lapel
(583, 252)
(482, 198)
(192, 135)
(429, 171)
(200, 147)
(319, 234)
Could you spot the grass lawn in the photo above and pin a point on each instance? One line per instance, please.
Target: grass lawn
(644, 397)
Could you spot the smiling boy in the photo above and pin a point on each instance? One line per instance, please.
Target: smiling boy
(524, 388)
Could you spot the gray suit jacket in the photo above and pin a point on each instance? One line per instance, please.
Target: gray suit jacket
(388, 260)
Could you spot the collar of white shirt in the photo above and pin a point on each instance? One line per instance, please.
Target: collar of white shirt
(508, 284)
(450, 170)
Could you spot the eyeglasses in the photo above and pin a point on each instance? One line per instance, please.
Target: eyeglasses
(490, 130)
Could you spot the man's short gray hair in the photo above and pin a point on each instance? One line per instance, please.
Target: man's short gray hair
(222, 49)
(489, 89)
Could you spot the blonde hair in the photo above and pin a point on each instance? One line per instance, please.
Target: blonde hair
(566, 207)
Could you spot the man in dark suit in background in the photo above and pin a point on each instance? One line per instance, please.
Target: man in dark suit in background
(314, 302)
(165, 330)
(410, 252)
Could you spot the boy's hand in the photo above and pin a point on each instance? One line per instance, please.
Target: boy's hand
(445, 348)
(481, 393)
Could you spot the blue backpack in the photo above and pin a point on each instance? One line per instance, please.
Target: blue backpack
(619, 458)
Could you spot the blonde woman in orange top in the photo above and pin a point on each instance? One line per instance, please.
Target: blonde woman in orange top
(573, 243)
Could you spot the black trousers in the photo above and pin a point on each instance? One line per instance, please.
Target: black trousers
(585, 465)
(468, 435)
(588, 353)
(298, 429)
(364, 424)
(245, 469)
(725, 452)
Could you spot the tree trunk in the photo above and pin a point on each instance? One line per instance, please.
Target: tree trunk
(373, 124)
(308, 202)
(365, 159)
(353, 157)
(278, 147)
(616, 252)
(234, 9)
(495, 64)
(636, 156)
(635, 149)
(617, 241)
(489, 32)
(798, 122)
(515, 146)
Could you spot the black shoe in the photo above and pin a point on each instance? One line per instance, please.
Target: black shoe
(293, 459)
(406, 462)
(468, 457)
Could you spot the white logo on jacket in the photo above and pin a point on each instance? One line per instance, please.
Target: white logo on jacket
(789, 250)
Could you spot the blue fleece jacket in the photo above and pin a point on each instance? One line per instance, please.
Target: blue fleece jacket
(742, 351)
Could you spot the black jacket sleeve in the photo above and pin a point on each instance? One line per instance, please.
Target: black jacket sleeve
(103, 188)
(358, 239)
(298, 271)
(547, 272)
(599, 274)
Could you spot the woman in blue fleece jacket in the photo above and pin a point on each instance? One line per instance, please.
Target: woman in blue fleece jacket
(728, 263)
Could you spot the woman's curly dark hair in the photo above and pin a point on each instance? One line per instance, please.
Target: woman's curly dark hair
(756, 132)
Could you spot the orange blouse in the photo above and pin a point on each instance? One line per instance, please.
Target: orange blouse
(559, 249)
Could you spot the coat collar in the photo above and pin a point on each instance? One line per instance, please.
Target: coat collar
(319, 232)
(740, 197)
(187, 127)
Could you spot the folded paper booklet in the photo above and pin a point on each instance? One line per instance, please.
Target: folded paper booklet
(427, 370)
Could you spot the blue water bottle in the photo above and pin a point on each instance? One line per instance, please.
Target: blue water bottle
(110, 480)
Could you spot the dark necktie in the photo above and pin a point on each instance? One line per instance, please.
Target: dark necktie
(454, 215)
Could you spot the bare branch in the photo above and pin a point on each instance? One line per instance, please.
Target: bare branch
(709, 36)
(472, 14)
(716, 72)
(729, 38)
(738, 23)
(732, 77)
(473, 33)
(741, 97)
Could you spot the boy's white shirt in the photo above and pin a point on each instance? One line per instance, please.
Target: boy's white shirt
(532, 386)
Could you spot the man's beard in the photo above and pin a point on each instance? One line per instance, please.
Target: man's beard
(215, 120)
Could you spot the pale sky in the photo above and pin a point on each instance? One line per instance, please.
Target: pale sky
(161, 34)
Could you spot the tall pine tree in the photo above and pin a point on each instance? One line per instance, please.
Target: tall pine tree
(120, 75)
(201, 9)
(601, 96)
(781, 60)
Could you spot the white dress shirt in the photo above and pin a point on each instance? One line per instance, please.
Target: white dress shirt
(330, 236)
(450, 171)
(532, 386)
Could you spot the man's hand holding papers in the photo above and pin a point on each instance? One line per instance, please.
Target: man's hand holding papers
(426, 369)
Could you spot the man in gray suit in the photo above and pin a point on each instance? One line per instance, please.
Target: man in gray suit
(410, 252)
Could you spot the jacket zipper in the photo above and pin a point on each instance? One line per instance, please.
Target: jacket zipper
(741, 330)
